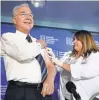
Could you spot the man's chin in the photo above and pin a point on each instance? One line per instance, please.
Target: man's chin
(28, 29)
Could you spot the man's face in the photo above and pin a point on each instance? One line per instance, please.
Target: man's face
(23, 19)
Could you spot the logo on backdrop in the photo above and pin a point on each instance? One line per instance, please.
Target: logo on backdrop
(69, 41)
(55, 52)
(49, 39)
(61, 54)
(97, 43)
(58, 54)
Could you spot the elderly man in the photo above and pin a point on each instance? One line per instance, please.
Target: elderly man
(23, 69)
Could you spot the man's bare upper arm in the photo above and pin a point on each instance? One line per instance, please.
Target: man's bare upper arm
(47, 59)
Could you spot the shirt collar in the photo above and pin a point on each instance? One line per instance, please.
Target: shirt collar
(21, 34)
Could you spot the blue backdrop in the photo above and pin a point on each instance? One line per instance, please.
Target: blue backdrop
(60, 40)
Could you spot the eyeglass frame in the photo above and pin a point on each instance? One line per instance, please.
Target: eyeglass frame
(24, 14)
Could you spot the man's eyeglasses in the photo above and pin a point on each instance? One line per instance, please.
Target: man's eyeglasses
(23, 14)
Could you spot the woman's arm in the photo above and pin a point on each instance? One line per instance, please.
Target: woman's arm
(61, 64)
(79, 71)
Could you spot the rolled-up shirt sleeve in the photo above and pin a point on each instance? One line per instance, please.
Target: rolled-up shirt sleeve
(22, 52)
(86, 70)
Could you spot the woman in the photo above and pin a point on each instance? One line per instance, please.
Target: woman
(83, 64)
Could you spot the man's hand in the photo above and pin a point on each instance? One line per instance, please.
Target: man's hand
(48, 87)
(43, 44)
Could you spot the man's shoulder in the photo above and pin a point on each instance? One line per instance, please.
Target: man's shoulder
(8, 35)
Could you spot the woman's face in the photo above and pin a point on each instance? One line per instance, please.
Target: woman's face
(77, 45)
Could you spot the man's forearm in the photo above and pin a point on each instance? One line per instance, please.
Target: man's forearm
(51, 71)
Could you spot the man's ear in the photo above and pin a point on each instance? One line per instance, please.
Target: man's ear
(14, 20)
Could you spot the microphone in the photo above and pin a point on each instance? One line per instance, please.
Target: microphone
(70, 86)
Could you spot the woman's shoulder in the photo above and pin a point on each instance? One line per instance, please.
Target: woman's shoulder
(94, 55)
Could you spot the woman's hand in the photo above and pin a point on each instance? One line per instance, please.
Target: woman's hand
(50, 52)
(61, 64)
(57, 62)
(42, 43)
(53, 58)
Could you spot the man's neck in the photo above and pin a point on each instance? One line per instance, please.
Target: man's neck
(23, 31)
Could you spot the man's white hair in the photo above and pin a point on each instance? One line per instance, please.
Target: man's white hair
(17, 7)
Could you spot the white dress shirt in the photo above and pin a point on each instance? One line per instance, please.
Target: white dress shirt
(85, 75)
(19, 57)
